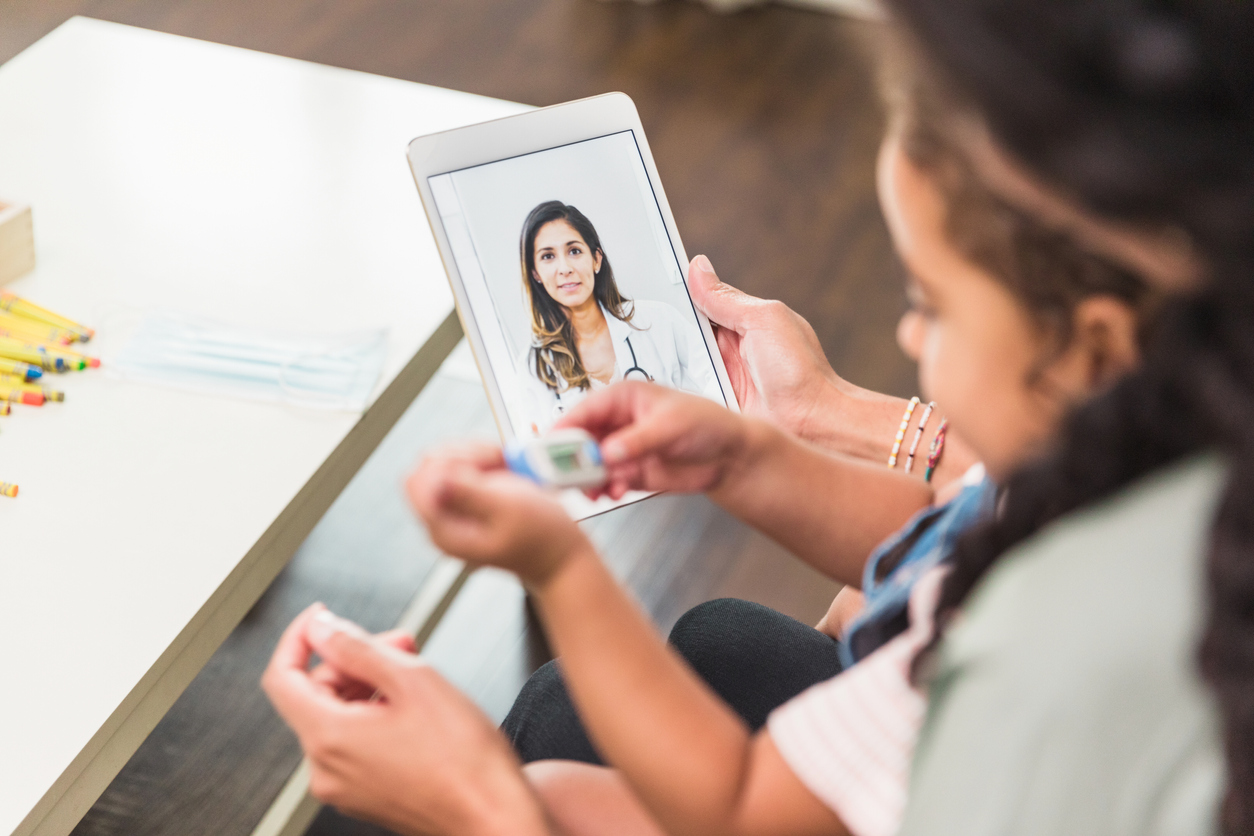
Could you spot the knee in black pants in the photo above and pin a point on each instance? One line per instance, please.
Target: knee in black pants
(755, 658)
(543, 723)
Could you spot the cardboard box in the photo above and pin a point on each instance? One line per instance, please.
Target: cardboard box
(17, 241)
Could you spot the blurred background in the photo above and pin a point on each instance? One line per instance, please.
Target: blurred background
(763, 121)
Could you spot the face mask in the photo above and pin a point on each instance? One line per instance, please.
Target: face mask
(189, 353)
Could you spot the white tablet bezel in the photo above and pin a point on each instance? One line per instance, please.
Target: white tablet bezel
(526, 133)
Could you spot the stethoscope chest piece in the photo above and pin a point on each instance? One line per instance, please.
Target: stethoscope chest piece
(635, 366)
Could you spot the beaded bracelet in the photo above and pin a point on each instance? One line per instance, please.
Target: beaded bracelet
(901, 431)
(934, 452)
(918, 434)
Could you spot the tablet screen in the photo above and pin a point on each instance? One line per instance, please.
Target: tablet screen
(572, 280)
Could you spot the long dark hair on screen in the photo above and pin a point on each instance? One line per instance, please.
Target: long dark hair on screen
(554, 351)
(1142, 112)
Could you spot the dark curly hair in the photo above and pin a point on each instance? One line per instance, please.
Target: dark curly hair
(1142, 112)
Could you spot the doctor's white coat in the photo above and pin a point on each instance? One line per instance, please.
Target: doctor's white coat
(668, 347)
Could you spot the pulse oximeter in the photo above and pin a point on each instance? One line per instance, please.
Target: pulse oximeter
(568, 458)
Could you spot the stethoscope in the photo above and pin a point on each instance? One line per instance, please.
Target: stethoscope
(635, 369)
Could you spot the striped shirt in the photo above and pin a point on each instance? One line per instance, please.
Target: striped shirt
(850, 739)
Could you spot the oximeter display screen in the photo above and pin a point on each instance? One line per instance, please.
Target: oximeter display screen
(564, 239)
(565, 457)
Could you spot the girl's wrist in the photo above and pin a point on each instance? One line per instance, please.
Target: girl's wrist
(565, 570)
(757, 445)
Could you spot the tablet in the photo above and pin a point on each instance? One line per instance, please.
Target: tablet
(565, 263)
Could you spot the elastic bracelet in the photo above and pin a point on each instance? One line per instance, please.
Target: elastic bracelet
(901, 431)
(918, 434)
(934, 452)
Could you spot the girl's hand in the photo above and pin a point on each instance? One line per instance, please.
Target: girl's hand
(657, 439)
(421, 758)
(477, 510)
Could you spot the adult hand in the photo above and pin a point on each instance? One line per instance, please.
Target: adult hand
(477, 510)
(658, 439)
(773, 357)
(419, 759)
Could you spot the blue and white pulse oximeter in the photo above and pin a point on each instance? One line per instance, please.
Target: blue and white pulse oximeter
(568, 458)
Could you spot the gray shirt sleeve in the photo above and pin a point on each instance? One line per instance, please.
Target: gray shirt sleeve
(1066, 700)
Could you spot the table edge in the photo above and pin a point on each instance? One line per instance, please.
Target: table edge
(70, 797)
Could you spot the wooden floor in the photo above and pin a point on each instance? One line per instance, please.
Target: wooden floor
(764, 126)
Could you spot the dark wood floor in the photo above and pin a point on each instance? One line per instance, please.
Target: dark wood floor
(764, 126)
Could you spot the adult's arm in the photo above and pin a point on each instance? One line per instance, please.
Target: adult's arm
(780, 374)
(829, 509)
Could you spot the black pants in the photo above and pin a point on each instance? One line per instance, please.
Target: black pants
(753, 657)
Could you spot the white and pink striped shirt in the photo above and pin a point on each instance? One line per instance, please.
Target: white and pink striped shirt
(850, 739)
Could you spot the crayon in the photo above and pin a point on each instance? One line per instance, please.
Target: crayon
(8, 489)
(73, 359)
(18, 396)
(5, 409)
(32, 331)
(14, 350)
(91, 362)
(15, 382)
(17, 350)
(26, 370)
(18, 306)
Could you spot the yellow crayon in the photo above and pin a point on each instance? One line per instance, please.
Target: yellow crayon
(73, 358)
(20, 352)
(8, 393)
(14, 382)
(18, 306)
(26, 370)
(46, 359)
(32, 331)
(88, 362)
(8, 489)
(5, 408)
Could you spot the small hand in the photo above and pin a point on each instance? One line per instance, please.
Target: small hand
(476, 510)
(349, 689)
(773, 357)
(657, 439)
(420, 759)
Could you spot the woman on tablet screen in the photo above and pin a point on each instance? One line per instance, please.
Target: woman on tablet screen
(585, 334)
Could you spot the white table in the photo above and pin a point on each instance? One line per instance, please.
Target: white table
(171, 173)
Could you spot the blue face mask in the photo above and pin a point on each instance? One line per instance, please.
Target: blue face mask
(189, 353)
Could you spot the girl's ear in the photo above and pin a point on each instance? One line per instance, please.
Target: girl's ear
(910, 334)
(1105, 331)
(596, 265)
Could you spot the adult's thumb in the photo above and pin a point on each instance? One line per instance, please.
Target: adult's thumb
(354, 652)
(723, 304)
